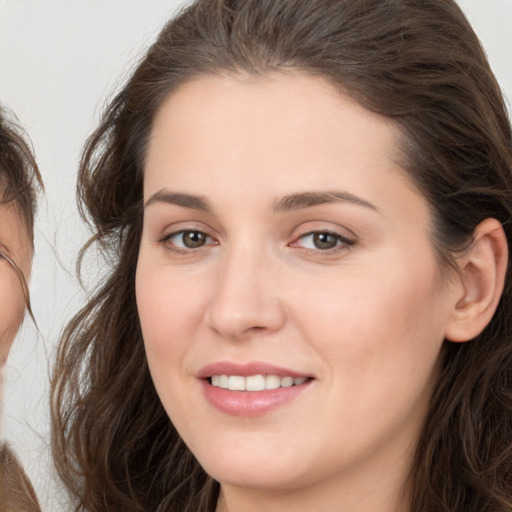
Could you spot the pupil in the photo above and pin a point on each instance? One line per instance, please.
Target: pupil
(324, 240)
(193, 239)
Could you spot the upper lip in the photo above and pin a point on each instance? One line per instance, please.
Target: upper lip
(247, 369)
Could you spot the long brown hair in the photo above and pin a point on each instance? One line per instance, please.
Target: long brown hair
(16, 491)
(419, 63)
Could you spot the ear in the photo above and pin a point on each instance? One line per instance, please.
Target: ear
(482, 270)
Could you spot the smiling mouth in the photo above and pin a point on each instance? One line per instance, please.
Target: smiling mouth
(255, 382)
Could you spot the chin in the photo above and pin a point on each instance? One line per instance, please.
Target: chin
(260, 468)
(266, 478)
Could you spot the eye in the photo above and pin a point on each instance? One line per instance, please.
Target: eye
(322, 241)
(188, 239)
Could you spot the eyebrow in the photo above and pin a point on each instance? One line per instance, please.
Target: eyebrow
(287, 203)
(179, 199)
(309, 199)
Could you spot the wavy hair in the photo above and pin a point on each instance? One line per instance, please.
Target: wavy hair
(417, 62)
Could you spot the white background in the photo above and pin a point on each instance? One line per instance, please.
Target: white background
(59, 62)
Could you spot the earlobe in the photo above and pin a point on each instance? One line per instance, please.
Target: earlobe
(482, 271)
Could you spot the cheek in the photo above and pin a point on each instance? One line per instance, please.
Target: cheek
(380, 335)
(11, 311)
(387, 320)
(169, 311)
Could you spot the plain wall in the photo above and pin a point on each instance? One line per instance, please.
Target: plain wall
(59, 61)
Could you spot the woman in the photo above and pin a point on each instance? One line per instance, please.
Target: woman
(306, 206)
(19, 177)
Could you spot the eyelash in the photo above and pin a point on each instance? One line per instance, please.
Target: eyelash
(167, 241)
(342, 243)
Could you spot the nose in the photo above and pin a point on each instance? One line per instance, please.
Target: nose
(245, 300)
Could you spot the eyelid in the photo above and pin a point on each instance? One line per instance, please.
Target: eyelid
(165, 240)
(343, 242)
(337, 235)
(164, 231)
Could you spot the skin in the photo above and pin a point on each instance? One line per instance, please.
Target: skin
(365, 319)
(15, 244)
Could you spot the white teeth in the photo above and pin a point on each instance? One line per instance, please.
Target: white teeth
(286, 382)
(223, 381)
(236, 383)
(272, 382)
(255, 382)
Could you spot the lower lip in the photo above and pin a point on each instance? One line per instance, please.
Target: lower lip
(250, 403)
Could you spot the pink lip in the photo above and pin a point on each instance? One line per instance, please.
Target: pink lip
(244, 370)
(248, 403)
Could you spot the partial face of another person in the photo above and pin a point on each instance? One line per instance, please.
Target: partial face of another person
(15, 244)
(292, 304)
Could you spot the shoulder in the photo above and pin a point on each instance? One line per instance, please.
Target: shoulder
(16, 491)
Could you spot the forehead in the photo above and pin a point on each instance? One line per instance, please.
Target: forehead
(242, 100)
(286, 122)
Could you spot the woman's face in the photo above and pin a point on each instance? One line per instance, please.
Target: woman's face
(282, 244)
(16, 245)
